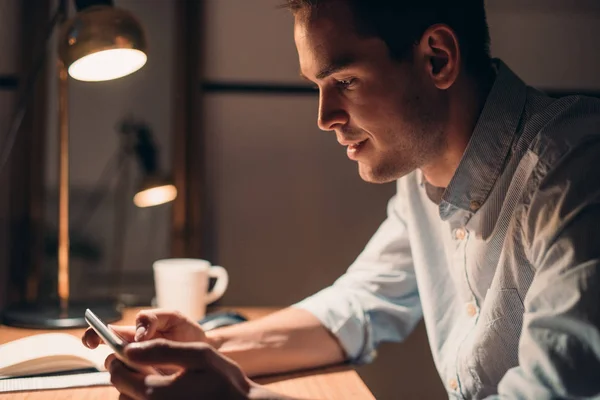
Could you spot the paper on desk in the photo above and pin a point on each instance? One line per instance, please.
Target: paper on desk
(55, 382)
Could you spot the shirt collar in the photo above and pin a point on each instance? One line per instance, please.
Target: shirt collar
(489, 146)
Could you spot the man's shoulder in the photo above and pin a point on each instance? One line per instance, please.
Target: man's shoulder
(560, 125)
(564, 174)
(565, 144)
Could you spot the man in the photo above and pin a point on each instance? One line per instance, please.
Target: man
(490, 237)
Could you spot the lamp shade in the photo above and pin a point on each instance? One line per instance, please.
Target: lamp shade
(102, 43)
(154, 191)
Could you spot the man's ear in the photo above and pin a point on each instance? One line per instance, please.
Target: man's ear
(440, 50)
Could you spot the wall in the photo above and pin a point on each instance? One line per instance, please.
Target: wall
(550, 43)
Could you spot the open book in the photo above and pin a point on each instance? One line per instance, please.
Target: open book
(47, 353)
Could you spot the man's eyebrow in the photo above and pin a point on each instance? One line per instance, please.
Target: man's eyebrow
(333, 67)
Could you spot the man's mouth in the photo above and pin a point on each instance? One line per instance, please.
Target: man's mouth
(354, 149)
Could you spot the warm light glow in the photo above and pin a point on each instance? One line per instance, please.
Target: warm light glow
(155, 196)
(107, 64)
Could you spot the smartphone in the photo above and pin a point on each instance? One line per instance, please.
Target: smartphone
(116, 343)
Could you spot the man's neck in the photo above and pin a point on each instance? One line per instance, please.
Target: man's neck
(465, 108)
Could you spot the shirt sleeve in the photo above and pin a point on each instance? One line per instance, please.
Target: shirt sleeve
(559, 348)
(376, 300)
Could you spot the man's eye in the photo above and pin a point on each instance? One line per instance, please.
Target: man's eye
(345, 83)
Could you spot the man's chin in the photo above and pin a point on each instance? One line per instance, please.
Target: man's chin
(371, 175)
(379, 175)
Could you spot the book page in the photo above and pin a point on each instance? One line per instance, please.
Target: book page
(55, 382)
(49, 352)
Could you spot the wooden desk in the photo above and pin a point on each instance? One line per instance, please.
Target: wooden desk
(339, 382)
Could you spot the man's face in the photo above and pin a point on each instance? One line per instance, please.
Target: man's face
(387, 113)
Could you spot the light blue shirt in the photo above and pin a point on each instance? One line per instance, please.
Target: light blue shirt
(503, 265)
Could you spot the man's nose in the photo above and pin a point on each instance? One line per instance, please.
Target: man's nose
(331, 112)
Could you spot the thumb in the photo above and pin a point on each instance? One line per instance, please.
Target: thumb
(167, 352)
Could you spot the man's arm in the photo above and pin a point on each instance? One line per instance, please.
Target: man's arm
(376, 300)
(287, 340)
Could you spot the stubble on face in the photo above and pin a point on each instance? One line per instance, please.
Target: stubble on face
(394, 106)
(415, 134)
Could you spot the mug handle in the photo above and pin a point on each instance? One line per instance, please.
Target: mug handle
(218, 290)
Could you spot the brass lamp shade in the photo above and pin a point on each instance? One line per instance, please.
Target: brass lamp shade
(102, 43)
(154, 191)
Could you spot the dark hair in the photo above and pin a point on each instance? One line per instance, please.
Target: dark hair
(401, 23)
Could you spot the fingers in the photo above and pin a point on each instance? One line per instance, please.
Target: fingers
(191, 385)
(193, 357)
(109, 361)
(200, 385)
(149, 322)
(183, 386)
(165, 352)
(91, 339)
(158, 380)
(205, 373)
(126, 381)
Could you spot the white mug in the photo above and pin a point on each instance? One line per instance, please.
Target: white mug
(182, 284)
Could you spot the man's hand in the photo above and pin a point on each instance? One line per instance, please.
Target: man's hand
(200, 373)
(153, 324)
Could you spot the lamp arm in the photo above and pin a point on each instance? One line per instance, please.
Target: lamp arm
(17, 117)
(100, 191)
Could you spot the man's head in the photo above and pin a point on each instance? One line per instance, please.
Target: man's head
(386, 71)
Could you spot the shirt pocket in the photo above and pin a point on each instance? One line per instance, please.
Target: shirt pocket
(496, 338)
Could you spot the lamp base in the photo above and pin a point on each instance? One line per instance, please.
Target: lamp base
(50, 315)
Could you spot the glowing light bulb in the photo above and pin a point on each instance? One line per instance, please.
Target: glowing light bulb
(107, 64)
(155, 196)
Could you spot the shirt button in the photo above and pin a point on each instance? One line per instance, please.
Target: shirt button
(460, 234)
(453, 384)
(475, 205)
(471, 310)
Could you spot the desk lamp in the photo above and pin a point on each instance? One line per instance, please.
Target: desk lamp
(101, 42)
(154, 188)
